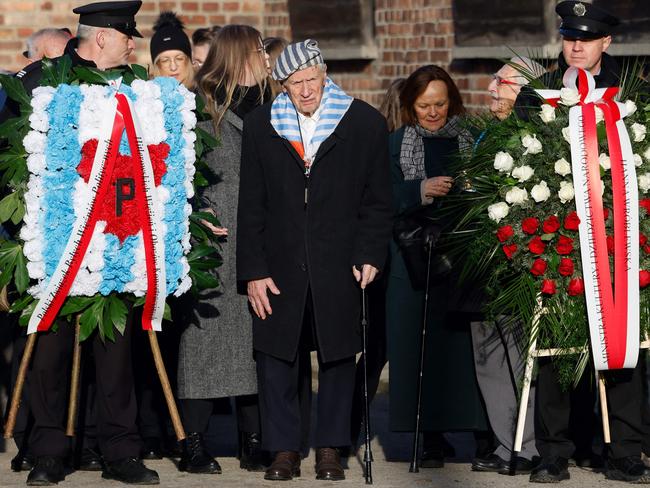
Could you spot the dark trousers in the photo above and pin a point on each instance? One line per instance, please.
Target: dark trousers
(115, 400)
(553, 410)
(281, 387)
(197, 412)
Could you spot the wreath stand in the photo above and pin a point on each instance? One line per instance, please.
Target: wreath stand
(74, 385)
(533, 354)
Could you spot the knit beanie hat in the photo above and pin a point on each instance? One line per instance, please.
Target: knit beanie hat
(169, 35)
(297, 56)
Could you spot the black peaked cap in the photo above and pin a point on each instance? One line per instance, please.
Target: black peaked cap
(581, 20)
(118, 15)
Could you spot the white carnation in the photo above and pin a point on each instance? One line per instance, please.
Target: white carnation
(523, 173)
(630, 107)
(639, 131)
(569, 96)
(532, 144)
(566, 192)
(34, 142)
(516, 196)
(498, 211)
(604, 161)
(562, 167)
(547, 114)
(540, 192)
(638, 160)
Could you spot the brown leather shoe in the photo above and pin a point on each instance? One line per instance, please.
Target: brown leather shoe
(284, 467)
(328, 465)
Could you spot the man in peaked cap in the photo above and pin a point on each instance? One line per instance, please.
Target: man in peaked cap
(314, 223)
(104, 40)
(586, 34)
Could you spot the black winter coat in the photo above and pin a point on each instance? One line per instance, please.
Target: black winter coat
(302, 246)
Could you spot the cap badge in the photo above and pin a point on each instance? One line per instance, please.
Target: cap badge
(579, 9)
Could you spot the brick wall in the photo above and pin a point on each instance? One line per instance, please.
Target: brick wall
(409, 33)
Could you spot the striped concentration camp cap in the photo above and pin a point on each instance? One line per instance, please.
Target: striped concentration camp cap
(297, 56)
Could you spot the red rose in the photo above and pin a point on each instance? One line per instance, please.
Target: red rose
(645, 203)
(536, 245)
(548, 287)
(642, 239)
(576, 287)
(539, 267)
(509, 250)
(566, 267)
(530, 225)
(564, 245)
(610, 245)
(644, 278)
(551, 225)
(646, 248)
(606, 213)
(571, 221)
(504, 233)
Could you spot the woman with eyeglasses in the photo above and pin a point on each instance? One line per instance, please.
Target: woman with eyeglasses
(216, 352)
(171, 51)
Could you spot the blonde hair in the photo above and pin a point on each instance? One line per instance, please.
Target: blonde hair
(188, 79)
(232, 50)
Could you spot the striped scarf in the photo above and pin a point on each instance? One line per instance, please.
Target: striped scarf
(284, 117)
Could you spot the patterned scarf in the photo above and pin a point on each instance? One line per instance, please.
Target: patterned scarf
(411, 157)
(284, 117)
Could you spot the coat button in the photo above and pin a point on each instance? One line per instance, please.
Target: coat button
(303, 266)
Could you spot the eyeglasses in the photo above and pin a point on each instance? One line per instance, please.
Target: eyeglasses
(260, 50)
(505, 81)
(167, 62)
(197, 64)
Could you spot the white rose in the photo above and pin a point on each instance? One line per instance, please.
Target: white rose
(532, 145)
(540, 192)
(562, 167)
(638, 160)
(646, 154)
(630, 106)
(644, 182)
(566, 192)
(498, 211)
(604, 161)
(523, 173)
(639, 132)
(569, 96)
(566, 133)
(547, 113)
(503, 162)
(516, 196)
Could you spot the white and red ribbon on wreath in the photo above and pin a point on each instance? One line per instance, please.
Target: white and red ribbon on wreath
(66, 271)
(612, 305)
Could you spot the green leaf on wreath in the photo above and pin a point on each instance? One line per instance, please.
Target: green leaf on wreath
(140, 72)
(15, 90)
(21, 276)
(8, 205)
(21, 303)
(117, 313)
(87, 322)
(26, 314)
(547, 237)
(167, 314)
(203, 280)
(74, 305)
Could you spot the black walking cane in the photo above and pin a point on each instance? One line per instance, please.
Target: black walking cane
(367, 457)
(415, 460)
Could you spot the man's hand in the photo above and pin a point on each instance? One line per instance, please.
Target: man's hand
(258, 297)
(217, 231)
(438, 186)
(366, 275)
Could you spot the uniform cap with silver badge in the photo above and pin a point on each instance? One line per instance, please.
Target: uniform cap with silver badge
(582, 20)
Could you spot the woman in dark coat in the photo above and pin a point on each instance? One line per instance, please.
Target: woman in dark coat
(216, 353)
(421, 154)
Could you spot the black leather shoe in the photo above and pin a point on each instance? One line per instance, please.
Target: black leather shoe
(90, 460)
(151, 449)
(22, 462)
(520, 466)
(195, 458)
(551, 470)
(285, 466)
(489, 464)
(251, 455)
(48, 470)
(130, 471)
(629, 468)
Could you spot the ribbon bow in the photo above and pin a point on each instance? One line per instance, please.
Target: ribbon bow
(613, 311)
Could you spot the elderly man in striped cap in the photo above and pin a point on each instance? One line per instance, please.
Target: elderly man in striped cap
(313, 228)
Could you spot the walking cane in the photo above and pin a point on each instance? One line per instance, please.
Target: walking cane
(415, 461)
(367, 457)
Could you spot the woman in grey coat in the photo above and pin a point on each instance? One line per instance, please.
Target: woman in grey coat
(216, 354)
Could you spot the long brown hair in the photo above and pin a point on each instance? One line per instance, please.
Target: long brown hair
(390, 107)
(231, 51)
(416, 84)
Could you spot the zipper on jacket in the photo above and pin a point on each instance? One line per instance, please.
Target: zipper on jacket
(306, 190)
